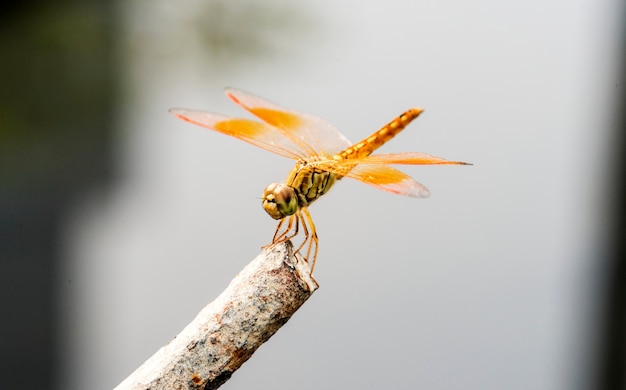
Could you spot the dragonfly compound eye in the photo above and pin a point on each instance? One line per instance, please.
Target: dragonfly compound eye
(279, 200)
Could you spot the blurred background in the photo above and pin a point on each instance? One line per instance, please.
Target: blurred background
(118, 223)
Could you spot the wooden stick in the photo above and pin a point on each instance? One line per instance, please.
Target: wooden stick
(261, 299)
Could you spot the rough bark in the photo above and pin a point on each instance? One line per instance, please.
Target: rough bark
(261, 298)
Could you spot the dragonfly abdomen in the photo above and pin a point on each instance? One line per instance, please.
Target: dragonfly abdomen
(379, 138)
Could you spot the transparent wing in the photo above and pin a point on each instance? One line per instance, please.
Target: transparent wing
(256, 133)
(375, 171)
(383, 177)
(388, 179)
(406, 158)
(312, 135)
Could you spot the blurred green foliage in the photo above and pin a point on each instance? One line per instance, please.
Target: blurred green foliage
(55, 94)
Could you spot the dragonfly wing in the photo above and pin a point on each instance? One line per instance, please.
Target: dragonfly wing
(253, 132)
(313, 135)
(375, 171)
(407, 158)
(383, 177)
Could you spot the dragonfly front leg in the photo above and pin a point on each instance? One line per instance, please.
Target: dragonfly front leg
(284, 236)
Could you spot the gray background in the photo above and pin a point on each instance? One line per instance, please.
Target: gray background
(491, 283)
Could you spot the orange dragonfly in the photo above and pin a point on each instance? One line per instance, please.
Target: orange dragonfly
(322, 154)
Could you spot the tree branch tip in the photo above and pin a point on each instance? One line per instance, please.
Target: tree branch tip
(256, 303)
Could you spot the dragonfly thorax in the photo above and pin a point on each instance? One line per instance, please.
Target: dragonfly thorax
(280, 200)
(305, 184)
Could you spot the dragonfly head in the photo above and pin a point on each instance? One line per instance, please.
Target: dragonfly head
(280, 200)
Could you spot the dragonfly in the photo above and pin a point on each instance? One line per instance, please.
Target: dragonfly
(323, 156)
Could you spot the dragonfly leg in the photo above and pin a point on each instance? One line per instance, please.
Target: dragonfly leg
(310, 237)
(310, 234)
(306, 234)
(284, 236)
(276, 235)
(313, 239)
